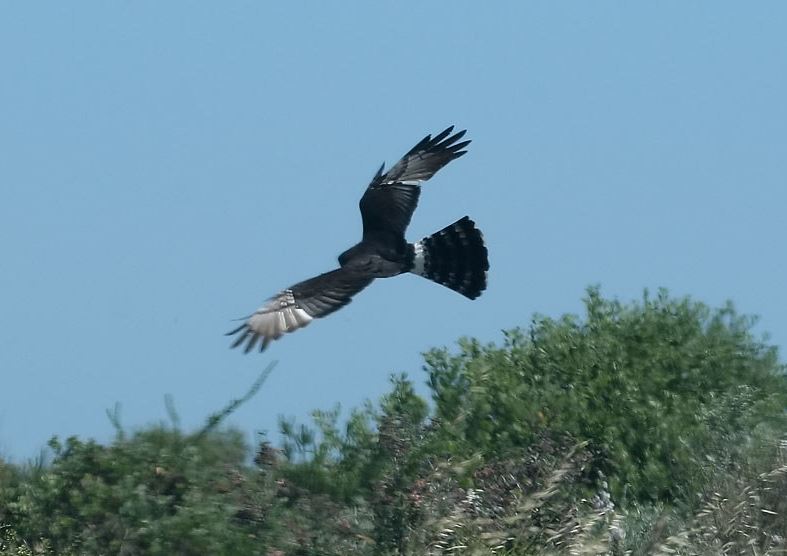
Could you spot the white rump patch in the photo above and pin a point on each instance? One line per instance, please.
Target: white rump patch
(419, 261)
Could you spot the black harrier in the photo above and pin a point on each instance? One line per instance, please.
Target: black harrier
(454, 257)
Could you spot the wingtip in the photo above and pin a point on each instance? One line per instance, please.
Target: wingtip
(236, 330)
(445, 140)
(239, 340)
(250, 344)
(442, 135)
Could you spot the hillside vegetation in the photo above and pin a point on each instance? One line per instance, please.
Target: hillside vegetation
(654, 427)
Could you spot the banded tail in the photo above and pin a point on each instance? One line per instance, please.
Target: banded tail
(455, 257)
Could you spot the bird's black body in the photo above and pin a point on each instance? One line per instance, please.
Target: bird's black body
(454, 257)
(383, 257)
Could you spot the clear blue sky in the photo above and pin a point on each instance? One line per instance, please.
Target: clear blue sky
(166, 166)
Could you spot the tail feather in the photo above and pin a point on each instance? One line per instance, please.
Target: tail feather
(454, 257)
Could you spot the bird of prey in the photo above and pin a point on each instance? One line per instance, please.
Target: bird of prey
(455, 256)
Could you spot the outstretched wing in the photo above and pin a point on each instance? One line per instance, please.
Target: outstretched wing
(391, 197)
(298, 305)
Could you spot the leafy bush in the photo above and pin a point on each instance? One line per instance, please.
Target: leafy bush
(639, 428)
(159, 492)
(658, 388)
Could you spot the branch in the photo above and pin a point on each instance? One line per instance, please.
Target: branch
(216, 418)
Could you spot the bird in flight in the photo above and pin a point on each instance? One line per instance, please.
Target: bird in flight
(455, 256)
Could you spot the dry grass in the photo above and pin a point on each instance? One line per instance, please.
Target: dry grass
(744, 515)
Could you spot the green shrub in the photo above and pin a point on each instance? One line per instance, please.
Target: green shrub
(658, 388)
(639, 428)
(159, 492)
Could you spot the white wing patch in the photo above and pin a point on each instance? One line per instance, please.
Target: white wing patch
(274, 323)
(278, 316)
(271, 321)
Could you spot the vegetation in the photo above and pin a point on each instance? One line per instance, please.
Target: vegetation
(655, 427)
